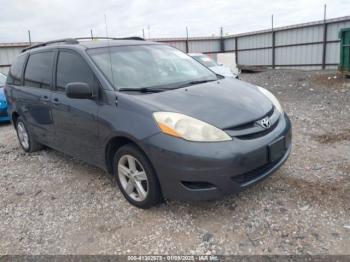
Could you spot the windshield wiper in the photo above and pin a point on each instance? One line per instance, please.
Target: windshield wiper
(156, 90)
(195, 82)
(144, 89)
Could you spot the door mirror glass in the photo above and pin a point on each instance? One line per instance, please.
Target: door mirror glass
(78, 90)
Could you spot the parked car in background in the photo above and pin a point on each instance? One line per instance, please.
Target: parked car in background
(3, 104)
(214, 66)
(163, 124)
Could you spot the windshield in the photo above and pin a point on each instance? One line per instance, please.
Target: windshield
(144, 66)
(205, 60)
(2, 79)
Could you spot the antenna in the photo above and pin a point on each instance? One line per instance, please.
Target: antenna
(109, 50)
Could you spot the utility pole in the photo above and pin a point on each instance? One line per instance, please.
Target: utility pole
(143, 33)
(91, 34)
(29, 38)
(149, 31)
(272, 22)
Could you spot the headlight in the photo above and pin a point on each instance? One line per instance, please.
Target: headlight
(188, 128)
(272, 98)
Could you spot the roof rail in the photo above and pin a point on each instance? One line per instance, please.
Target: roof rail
(67, 41)
(110, 38)
(75, 41)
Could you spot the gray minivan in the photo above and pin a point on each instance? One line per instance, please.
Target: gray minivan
(166, 126)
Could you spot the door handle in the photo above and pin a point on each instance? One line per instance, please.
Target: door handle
(56, 101)
(45, 98)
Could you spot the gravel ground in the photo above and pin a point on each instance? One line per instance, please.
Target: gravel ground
(53, 204)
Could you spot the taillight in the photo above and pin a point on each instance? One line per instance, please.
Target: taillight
(5, 92)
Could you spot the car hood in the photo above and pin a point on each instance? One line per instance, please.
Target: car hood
(225, 103)
(222, 70)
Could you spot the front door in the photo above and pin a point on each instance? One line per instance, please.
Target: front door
(75, 120)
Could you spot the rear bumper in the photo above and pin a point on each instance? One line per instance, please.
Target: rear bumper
(3, 115)
(204, 171)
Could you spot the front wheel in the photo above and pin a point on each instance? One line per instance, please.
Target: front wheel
(136, 178)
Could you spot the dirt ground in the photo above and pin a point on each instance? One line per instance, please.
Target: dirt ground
(53, 204)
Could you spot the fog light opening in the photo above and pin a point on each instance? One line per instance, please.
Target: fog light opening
(197, 185)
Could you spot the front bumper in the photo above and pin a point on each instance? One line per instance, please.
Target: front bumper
(204, 171)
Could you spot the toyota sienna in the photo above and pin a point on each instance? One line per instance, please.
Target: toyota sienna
(163, 124)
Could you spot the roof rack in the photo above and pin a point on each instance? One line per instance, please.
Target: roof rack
(75, 41)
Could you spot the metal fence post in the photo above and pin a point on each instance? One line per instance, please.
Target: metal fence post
(324, 46)
(222, 43)
(273, 49)
(236, 49)
(186, 41)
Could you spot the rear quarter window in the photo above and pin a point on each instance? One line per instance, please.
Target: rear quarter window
(38, 71)
(15, 74)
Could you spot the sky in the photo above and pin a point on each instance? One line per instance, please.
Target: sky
(55, 19)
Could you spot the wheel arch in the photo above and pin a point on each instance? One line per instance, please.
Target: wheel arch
(14, 117)
(113, 145)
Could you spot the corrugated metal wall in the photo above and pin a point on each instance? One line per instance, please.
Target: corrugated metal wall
(7, 54)
(312, 45)
(204, 46)
(301, 46)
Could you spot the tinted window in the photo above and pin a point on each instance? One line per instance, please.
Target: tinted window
(15, 74)
(72, 68)
(39, 70)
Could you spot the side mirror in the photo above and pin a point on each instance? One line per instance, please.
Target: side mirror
(78, 90)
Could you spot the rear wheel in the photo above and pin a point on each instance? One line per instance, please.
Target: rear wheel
(25, 138)
(136, 178)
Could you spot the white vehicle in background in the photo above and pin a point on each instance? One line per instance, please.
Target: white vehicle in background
(218, 68)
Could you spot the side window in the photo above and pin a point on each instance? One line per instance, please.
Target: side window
(39, 70)
(15, 74)
(72, 68)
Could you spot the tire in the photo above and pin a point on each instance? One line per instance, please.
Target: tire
(135, 178)
(25, 138)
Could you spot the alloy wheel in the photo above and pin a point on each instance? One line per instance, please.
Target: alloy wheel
(133, 178)
(23, 135)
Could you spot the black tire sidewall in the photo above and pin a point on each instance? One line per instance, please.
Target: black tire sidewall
(154, 196)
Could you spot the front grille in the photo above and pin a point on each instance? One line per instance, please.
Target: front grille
(252, 130)
(255, 173)
(252, 123)
(259, 134)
